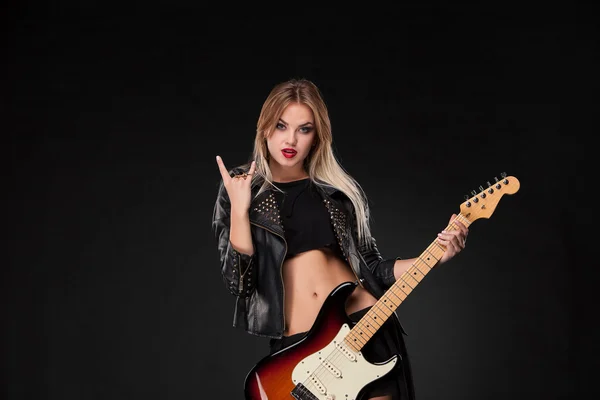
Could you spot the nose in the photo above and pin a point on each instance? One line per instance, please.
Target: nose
(291, 138)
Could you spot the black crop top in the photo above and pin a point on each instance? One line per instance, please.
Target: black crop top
(305, 218)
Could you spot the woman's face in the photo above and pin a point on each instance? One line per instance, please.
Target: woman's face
(291, 140)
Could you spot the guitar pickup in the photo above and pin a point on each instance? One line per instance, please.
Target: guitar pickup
(331, 368)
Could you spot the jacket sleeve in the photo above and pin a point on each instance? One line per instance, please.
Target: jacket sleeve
(236, 268)
(382, 269)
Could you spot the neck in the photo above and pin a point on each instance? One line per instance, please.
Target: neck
(287, 174)
(369, 324)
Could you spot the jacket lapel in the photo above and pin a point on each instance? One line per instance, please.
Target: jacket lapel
(265, 212)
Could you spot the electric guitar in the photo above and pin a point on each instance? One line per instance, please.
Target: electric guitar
(327, 364)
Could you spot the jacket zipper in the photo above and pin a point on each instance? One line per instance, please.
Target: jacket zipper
(242, 274)
(280, 267)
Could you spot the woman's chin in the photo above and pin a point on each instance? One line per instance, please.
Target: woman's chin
(287, 162)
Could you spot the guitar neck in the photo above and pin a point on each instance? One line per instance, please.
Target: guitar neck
(370, 323)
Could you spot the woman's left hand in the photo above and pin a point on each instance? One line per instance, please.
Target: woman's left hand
(453, 240)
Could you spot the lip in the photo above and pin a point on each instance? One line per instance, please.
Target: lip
(289, 153)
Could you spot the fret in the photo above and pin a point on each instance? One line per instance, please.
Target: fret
(370, 323)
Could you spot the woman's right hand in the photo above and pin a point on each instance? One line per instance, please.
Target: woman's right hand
(238, 187)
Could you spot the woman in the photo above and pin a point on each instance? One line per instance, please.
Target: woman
(293, 225)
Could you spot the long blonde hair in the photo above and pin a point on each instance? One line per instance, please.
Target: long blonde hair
(321, 164)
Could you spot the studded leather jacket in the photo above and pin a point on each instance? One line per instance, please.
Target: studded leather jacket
(256, 280)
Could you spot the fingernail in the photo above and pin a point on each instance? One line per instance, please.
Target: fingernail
(218, 158)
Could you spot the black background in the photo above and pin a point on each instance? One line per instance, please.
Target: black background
(114, 117)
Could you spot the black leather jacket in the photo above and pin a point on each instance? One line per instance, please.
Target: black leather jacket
(256, 280)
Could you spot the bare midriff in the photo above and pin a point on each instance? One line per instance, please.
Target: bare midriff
(308, 279)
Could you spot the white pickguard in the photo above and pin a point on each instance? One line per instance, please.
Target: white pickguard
(337, 371)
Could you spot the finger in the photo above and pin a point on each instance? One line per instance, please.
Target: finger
(447, 244)
(462, 240)
(223, 170)
(462, 227)
(252, 168)
(454, 244)
(458, 240)
(452, 219)
(444, 238)
(451, 239)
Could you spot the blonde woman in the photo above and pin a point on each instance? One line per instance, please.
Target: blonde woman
(293, 236)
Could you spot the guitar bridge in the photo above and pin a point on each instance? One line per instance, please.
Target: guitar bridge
(300, 392)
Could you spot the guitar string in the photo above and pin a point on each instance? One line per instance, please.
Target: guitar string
(324, 376)
(416, 267)
(322, 373)
(362, 325)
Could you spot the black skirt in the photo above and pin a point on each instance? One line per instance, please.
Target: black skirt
(384, 344)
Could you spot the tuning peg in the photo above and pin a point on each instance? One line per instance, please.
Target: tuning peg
(496, 179)
(482, 192)
(503, 174)
(474, 193)
(490, 188)
(467, 197)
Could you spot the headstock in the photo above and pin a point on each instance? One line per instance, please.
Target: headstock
(483, 204)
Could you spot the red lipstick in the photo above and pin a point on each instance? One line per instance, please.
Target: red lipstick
(289, 153)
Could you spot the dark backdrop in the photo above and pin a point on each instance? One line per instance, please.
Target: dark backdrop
(114, 117)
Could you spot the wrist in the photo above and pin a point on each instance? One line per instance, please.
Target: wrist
(239, 213)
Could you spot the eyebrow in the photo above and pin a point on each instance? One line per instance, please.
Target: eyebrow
(304, 124)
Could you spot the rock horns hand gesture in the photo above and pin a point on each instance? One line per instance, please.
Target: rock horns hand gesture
(237, 186)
